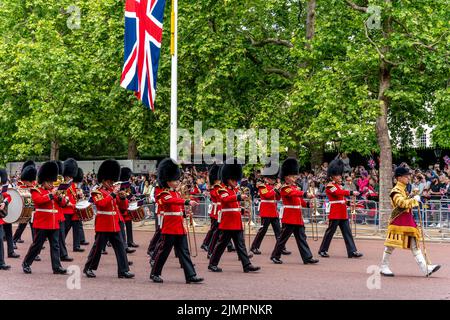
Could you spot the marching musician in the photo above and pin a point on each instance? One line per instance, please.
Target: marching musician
(78, 179)
(173, 232)
(46, 220)
(125, 222)
(107, 228)
(338, 215)
(291, 214)
(3, 207)
(402, 231)
(230, 221)
(7, 227)
(269, 193)
(155, 241)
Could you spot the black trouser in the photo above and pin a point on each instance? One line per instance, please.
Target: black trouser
(75, 226)
(346, 231)
(300, 238)
(129, 227)
(265, 223)
(119, 249)
(212, 229)
(40, 235)
(7, 228)
(62, 243)
(20, 229)
(82, 236)
(214, 238)
(155, 238)
(180, 243)
(122, 234)
(224, 238)
(2, 248)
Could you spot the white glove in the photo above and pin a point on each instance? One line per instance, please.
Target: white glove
(417, 197)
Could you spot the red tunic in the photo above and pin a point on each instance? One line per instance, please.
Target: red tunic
(123, 208)
(293, 203)
(47, 211)
(268, 205)
(338, 205)
(6, 197)
(230, 213)
(107, 217)
(171, 208)
(215, 199)
(70, 208)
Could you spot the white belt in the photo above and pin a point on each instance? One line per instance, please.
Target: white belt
(47, 210)
(211, 205)
(108, 213)
(227, 210)
(338, 201)
(265, 201)
(172, 214)
(288, 207)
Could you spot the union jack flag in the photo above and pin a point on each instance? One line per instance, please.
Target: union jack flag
(143, 35)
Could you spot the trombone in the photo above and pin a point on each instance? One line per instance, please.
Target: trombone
(249, 208)
(353, 215)
(314, 215)
(184, 191)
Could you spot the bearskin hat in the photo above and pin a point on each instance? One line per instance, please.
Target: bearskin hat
(48, 172)
(289, 167)
(231, 171)
(4, 176)
(60, 165)
(28, 163)
(29, 173)
(79, 177)
(70, 168)
(125, 174)
(109, 170)
(335, 168)
(401, 171)
(271, 170)
(168, 170)
(213, 173)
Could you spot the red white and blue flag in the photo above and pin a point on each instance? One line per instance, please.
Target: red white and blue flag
(143, 35)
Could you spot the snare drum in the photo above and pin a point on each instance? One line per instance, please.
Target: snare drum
(136, 212)
(28, 205)
(85, 210)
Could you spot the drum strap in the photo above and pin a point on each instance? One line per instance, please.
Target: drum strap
(108, 213)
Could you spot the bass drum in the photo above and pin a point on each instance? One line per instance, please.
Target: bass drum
(136, 212)
(15, 207)
(28, 206)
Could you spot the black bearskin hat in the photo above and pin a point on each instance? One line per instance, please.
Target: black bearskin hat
(335, 168)
(79, 177)
(125, 174)
(48, 172)
(70, 168)
(231, 171)
(28, 173)
(168, 170)
(4, 176)
(401, 171)
(213, 173)
(109, 170)
(289, 167)
(28, 163)
(60, 165)
(271, 170)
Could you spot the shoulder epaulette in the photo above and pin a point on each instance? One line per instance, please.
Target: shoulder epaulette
(35, 189)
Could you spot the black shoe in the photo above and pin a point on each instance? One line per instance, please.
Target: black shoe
(84, 243)
(204, 247)
(276, 260)
(355, 254)
(19, 241)
(214, 268)
(67, 259)
(60, 270)
(436, 268)
(251, 268)
(14, 255)
(133, 245)
(126, 275)
(4, 267)
(311, 261)
(78, 250)
(130, 263)
(37, 258)
(255, 251)
(324, 254)
(104, 252)
(285, 252)
(89, 273)
(26, 268)
(194, 279)
(156, 279)
(128, 250)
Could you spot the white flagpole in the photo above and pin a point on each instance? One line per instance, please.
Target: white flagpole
(174, 89)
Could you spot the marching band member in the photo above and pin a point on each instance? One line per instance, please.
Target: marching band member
(269, 193)
(125, 175)
(7, 227)
(107, 227)
(3, 207)
(154, 242)
(292, 219)
(338, 211)
(230, 222)
(46, 221)
(78, 179)
(402, 231)
(173, 232)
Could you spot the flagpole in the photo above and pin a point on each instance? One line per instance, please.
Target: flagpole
(174, 89)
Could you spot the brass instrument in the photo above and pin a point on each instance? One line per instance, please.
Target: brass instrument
(183, 189)
(353, 215)
(247, 207)
(314, 214)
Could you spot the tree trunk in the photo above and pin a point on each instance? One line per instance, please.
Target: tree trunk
(316, 155)
(384, 143)
(132, 149)
(54, 150)
(310, 21)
